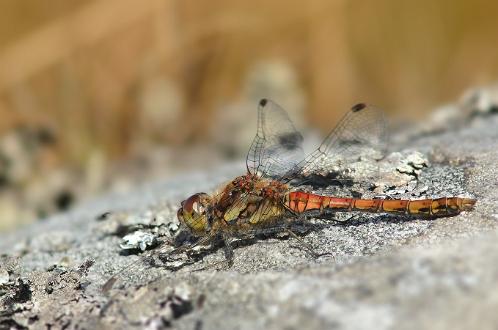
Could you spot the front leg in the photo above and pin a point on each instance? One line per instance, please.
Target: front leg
(229, 256)
(228, 250)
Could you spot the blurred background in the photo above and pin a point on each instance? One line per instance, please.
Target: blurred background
(102, 95)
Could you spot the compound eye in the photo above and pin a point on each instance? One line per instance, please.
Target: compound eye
(193, 204)
(179, 213)
(198, 208)
(188, 204)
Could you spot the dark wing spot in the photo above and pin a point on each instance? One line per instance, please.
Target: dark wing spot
(358, 107)
(263, 102)
(64, 200)
(290, 141)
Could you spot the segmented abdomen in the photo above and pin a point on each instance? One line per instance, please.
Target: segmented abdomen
(300, 202)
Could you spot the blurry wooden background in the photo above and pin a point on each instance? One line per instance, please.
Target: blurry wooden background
(94, 77)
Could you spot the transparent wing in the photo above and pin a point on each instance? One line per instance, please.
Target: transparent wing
(277, 146)
(139, 265)
(360, 135)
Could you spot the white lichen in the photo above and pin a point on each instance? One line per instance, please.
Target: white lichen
(138, 240)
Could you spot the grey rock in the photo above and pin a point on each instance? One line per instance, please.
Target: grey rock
(382, 272)
(4, 276)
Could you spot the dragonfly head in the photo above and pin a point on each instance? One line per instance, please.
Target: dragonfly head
(194, 213)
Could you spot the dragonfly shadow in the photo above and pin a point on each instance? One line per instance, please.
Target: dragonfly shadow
(192, 256)
(265, 236)
(323, 181)
(362, 219)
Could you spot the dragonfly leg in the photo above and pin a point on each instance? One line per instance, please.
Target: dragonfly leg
(323, 215)
(348, 219)
(228, 249)
(307, 246)
(229, 257)
(188, 249)
(340, 218)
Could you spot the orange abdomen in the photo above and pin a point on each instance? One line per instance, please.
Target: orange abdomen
(300, 202)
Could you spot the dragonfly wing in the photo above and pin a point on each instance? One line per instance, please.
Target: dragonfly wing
(139, 265)
(361, 133)
(277, 146)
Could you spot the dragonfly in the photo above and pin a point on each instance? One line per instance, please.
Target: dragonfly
(273, 194)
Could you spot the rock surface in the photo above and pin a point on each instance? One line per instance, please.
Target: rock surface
(381, 272)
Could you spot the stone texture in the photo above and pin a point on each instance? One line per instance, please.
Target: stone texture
(381, 272)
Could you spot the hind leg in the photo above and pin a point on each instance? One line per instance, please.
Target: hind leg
(307, 246)
(229, 257)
